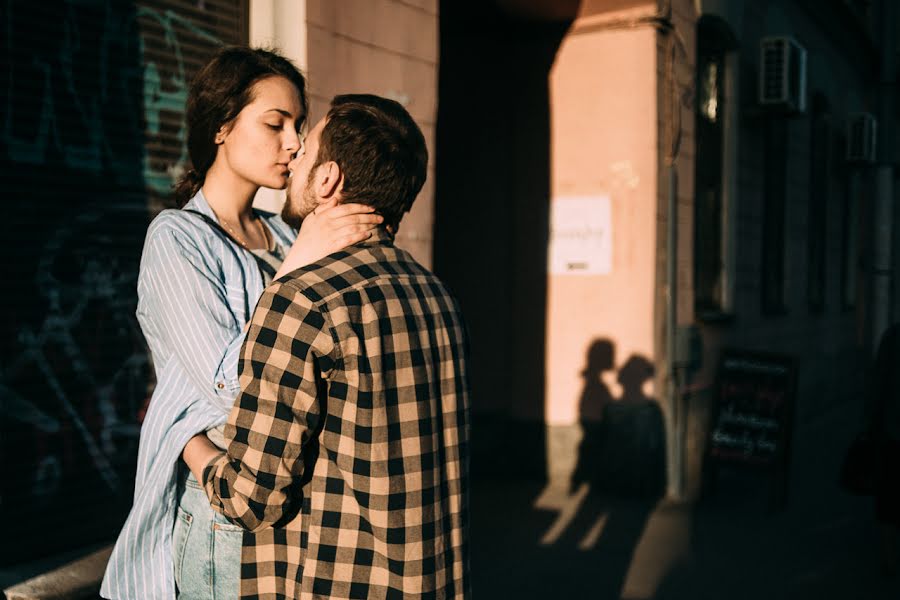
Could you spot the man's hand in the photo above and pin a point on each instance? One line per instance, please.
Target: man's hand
(198, 453)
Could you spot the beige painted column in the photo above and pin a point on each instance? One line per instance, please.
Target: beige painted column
(603, 90)
(278, 24)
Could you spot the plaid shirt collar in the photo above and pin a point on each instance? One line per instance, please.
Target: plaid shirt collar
(380, 237)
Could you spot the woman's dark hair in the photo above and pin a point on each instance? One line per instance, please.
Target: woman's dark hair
(221, 89)
(380, 150)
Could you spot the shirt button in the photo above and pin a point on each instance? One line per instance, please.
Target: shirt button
(220, 385)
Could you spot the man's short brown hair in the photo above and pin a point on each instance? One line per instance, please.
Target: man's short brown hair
(380, 150)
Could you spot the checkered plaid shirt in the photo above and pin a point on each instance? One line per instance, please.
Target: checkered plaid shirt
(349, 442)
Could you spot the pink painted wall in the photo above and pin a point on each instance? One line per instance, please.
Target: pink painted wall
(604, 143)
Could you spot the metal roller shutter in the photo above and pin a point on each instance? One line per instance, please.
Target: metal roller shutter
(92, 139)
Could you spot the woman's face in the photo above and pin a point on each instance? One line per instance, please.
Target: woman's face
(261, 141)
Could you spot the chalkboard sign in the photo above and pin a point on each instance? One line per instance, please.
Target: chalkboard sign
(754, 408)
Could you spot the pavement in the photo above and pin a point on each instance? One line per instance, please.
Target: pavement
(537, 540)
(533, 539)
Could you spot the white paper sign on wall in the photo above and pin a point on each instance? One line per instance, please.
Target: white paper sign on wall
(580, 235)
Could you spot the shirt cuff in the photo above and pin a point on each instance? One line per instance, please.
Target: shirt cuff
(209, 470)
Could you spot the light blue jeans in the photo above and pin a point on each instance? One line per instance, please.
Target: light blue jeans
(206, 546)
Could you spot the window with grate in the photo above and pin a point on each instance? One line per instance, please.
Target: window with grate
(712, 167)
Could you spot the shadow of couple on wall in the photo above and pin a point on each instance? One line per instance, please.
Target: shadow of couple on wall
(619, 476)
(622, 450)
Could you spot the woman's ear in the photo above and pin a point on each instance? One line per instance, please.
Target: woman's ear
(329, 180)
(222, 133)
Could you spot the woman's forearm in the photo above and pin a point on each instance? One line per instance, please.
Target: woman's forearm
(198, 453)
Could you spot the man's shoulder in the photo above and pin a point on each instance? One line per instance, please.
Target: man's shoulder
(356, 267)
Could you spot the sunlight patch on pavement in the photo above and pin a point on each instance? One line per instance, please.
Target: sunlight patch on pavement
(567, 505)
(664, 544)
(593, 535)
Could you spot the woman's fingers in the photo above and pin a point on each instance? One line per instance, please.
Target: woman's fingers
(353, 229)
(355, 238)
(325, 207)
(367, 220)
(370, 218)
(343, 210)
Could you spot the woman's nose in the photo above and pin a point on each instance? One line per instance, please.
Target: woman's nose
(292, 143)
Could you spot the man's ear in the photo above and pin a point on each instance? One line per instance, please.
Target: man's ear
(329, 180)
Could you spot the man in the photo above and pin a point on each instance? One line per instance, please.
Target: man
(348, 444)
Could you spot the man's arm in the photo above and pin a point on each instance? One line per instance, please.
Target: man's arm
(288, 353)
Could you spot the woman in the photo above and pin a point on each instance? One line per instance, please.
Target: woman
(202, 270)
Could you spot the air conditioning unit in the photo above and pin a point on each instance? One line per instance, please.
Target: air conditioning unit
(861, 133)
(782, 75)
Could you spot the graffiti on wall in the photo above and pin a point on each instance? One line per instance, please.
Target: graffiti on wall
(95, 94)
(51, 107)
(70, 118)
(88, 353)
(165, 90)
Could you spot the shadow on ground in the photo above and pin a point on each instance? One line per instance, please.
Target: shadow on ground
(530, 540)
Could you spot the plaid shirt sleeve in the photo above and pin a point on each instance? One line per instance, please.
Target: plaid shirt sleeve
(288, 354)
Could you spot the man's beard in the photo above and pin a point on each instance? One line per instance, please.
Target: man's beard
(293, 214)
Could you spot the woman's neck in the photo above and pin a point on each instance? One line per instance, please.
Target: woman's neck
(230, 197)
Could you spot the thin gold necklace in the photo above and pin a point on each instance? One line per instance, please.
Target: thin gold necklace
(265, 232)
(234, 234)
(240, 240)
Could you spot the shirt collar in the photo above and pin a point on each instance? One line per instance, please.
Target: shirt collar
(199, 203)
(380, 237)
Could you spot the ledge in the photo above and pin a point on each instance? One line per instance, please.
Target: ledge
(78, 579)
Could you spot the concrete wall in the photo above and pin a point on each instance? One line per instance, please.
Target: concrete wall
(384, 47)
(830, 346)
(825, 343)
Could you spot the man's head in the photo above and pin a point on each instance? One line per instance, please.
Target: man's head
(368, 150)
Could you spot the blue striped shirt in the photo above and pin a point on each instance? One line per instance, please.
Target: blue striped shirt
(196, 290)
